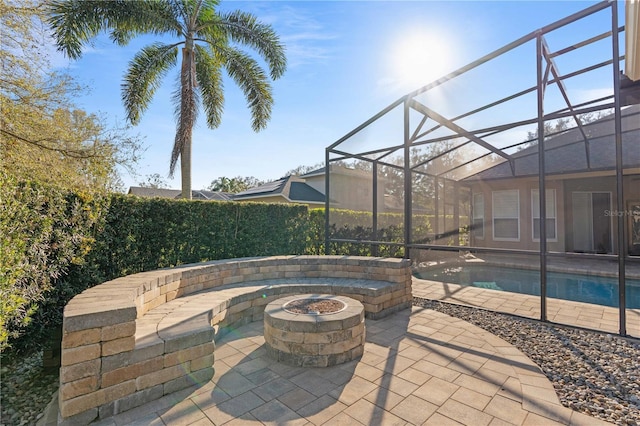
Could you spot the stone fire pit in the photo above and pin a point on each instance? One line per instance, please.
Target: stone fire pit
(314, 330)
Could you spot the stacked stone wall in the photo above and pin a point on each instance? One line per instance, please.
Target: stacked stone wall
(124, 343)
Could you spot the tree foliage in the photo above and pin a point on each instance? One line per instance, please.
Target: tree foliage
(550, 129)
(154, 181)
(56, 161)
(43, 231)
(301, 170)
(562, 125)
(43, 135)
(426, 165)
(208, 41)
(234, 185)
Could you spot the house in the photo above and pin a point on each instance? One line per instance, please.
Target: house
(146, 192)
(351, 189)
(580, 192)
(289, 189)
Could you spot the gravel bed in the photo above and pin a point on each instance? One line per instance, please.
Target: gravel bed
(25, 389)
(594, 373)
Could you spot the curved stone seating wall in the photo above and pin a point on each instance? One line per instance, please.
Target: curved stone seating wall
(132, 340)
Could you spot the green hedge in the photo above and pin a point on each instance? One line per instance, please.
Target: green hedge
(358, 225)
(43, 231)
(55, 243)
(144, 234)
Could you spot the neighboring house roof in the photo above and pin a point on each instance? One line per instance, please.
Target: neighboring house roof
(315, 172)
(567, 152)
(338, 169)
(211, 195)
(141, 191)
(292, 188)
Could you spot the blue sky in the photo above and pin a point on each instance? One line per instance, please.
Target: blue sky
(346, 62)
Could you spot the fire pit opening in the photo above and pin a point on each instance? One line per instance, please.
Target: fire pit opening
(315, 305)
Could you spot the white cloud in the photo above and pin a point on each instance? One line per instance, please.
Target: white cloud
(304, 36)
(584, 95)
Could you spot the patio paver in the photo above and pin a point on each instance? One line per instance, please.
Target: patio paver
(419, 367)
(601, 318)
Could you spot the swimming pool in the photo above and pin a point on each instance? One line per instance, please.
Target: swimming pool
(560, 285)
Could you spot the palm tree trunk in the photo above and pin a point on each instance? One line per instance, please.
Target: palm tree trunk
(185, 168)
(187, 119)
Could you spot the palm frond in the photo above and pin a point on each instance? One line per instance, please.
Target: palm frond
(244, 28)
(253, 81)
(208, 11)
(182, 10)
(76, 22)
(144, 76)
(209, 75)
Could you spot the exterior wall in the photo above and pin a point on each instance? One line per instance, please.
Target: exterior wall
(349, 191)
(274, 199)
(606, 184)
(632, 212)
(526, 240)
(316, 182)
(565, 210)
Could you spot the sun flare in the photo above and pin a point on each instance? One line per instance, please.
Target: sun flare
(419, 58)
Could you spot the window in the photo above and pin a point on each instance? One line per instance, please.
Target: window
(506, 215)
(551, 221)
(478, 216)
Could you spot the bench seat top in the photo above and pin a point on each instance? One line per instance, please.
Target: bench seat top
(189, 317)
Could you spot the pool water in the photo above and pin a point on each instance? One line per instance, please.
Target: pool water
(560, 285)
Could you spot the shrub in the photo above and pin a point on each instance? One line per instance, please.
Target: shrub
(43, 230)
(358, 226)
(143, 234)
(56, 243)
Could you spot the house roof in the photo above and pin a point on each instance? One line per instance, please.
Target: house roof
(211, 195)
(292, 188)
(568, 152)
(316, 172)
(338, 169)
(141, 191)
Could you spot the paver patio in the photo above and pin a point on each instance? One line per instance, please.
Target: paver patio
(596, 317)
(419, 367)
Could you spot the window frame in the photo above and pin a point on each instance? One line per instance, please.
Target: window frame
(516, 192)
(475, 216)
(535, 212)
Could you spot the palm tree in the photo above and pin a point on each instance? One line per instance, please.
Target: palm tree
(209, 42)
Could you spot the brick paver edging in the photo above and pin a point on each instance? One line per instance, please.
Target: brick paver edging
(134, 339)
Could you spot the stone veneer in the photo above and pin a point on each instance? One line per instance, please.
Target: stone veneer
(314, 340)
(132, 340)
